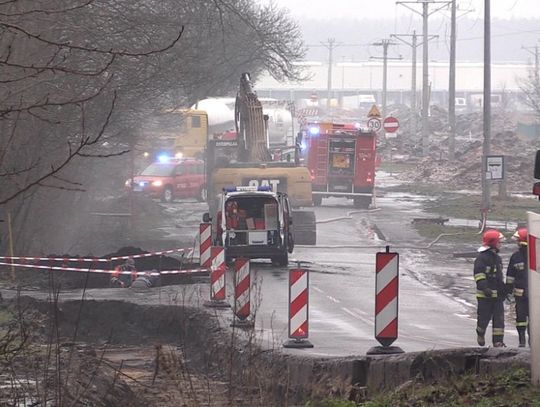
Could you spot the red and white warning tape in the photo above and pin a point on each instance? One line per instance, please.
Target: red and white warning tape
(140, 273)
(189, 252)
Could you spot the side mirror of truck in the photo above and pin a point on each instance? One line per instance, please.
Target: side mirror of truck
(206, 218)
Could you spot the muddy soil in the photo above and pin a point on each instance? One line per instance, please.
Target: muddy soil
(113, 353)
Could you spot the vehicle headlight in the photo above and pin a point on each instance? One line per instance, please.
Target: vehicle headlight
(128, 183)
(157, 183)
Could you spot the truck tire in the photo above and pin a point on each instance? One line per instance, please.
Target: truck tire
(362, 202)
(167, 194)
(281, 261)
(203, 194)
(304, 228)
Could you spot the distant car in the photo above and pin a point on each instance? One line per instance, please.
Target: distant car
(168, 179)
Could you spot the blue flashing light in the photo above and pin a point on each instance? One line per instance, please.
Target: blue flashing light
(314, 131)
(163, 158)
(303, 145)
(266, 188)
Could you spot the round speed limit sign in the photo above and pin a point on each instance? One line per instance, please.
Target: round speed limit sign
(374, 124)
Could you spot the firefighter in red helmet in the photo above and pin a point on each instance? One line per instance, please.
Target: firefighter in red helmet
(517, 283)
(490, 288)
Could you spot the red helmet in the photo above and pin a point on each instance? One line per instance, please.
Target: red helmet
(492, 237)
(521, 236)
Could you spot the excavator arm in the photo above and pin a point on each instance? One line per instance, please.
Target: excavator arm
(251, 124)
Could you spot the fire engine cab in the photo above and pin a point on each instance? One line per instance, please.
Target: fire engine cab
(341, 160)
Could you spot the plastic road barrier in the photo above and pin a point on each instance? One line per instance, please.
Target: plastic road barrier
(533, 226)
(205, 237)
(298, 309)
(217, 279)
(386, 302)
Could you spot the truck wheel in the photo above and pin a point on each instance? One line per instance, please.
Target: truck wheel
(202, 195)
(281, 261)
(167, 195)
(304, 228)
(317, 200)
(362, 202)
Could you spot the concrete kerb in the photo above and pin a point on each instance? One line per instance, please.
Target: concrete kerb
(358, 377)
(294, 376)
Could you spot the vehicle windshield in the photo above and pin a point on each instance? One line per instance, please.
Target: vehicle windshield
(159, 170)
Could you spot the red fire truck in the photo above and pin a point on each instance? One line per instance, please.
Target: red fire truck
(341, 160)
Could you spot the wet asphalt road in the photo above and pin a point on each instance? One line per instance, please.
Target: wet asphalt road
(436, 302)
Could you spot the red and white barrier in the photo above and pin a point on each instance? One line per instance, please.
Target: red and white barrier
(533, 226)
(104, 271)
(205, 244)
(386, 301)
(217, 274)
(217, 279)
(298, 309)
(24, 259)
(242, 294)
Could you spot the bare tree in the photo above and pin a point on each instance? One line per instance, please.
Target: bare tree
(531, 90)
(80, 78)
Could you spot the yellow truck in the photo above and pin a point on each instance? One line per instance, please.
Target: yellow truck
(191, 142)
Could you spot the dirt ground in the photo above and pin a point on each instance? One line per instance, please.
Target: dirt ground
(112, 353)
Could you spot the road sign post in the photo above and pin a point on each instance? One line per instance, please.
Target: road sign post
(386, 302)
(533, 226)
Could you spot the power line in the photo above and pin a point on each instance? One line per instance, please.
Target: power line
(425, 13)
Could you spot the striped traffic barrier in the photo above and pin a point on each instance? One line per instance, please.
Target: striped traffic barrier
(533, 226)
(217, 279)
(298, 309)
(386, 302)
(205, 243)
(242, 293)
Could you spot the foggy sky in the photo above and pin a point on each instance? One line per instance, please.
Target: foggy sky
(377, 9)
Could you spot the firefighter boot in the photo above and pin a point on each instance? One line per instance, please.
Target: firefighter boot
(480, 339)
(521, 333)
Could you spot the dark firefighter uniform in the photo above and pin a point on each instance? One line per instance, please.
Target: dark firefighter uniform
(490, 293)
(517, 284)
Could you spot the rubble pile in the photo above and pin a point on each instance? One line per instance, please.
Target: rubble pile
(465, 172)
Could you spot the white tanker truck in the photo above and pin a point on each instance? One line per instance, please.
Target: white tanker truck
(214, 118)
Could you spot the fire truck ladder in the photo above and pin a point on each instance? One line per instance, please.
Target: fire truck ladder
(322, 158)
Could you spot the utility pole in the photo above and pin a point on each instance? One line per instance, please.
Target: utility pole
(534, 51)
(330, 45)
(452, 80)
(486, 196)
(385, 43)
(425, 13)
(413, 43)
(452, 85)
